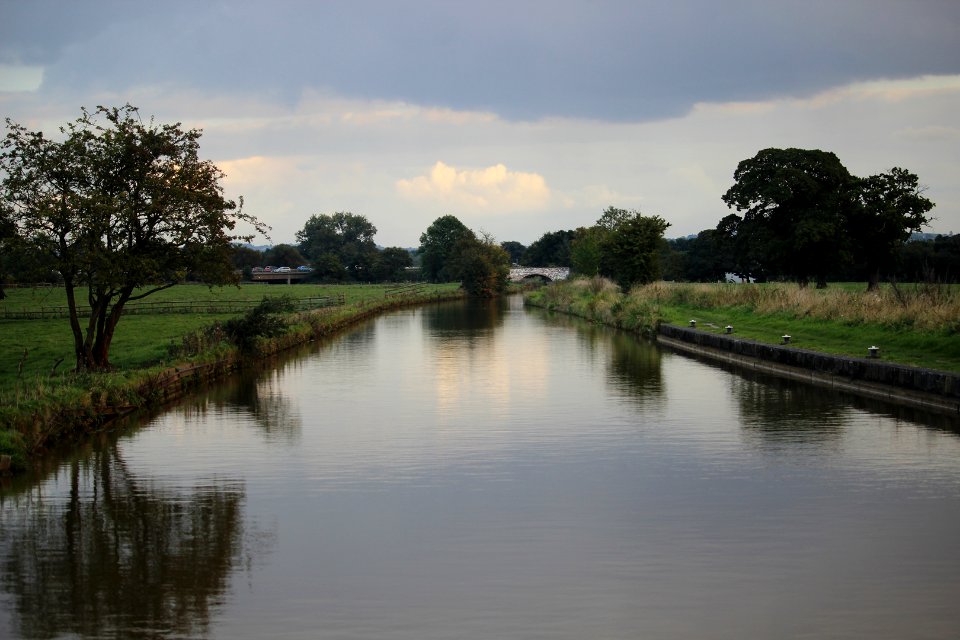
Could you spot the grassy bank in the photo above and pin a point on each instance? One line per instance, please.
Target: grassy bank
(42, 402)
(912, 324)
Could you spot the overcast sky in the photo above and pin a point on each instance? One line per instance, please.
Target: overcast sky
(517, 117)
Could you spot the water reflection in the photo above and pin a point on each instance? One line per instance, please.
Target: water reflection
(777, 411)
(258, 394)
(473, 319)
(633, 365)
(467, 366)
(114, 555)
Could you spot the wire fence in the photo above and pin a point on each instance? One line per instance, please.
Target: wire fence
(412, 289)
(171, 307)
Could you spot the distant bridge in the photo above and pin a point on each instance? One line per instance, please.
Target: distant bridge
(519, 274)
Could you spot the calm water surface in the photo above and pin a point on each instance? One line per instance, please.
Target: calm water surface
(486, 471)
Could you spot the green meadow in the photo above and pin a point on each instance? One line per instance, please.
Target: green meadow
(30, 350)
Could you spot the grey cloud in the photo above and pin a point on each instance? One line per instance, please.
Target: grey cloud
(616, 60)
(39, 31)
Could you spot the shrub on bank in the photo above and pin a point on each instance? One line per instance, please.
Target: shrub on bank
(266, 320)
(598, 300)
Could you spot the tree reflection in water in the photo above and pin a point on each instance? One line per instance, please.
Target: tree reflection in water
(257, 393)
(472, 319)
(782, 411)
(636, 369)
(116, 555)
(634, 365)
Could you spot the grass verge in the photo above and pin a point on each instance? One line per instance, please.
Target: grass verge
(914, 325)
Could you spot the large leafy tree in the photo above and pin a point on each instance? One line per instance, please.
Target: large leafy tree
(552, 249)
(514, 249)
(804, 216)
(481, 265)
(623, 245)
(743, 247)
(630, 250)
(391, 264)
(795, 204)
(328, 268)
(697, 259)
(345, 235)
(585, 246)
(891, 207)
(284, 255)
(613, 217)
(244, 257)
(124, 208)
(438, 245)
(585, 250)
(8, 236)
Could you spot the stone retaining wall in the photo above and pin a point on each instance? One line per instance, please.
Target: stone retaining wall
(875, 377)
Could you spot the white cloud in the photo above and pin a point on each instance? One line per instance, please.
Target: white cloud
(491, 190)
(17, 78)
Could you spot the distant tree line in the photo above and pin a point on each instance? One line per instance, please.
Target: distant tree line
(340, 248)
(337, 247)
(702, 258)
(800, 216)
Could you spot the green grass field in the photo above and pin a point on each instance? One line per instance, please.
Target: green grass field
(140, 340)
(904, 346)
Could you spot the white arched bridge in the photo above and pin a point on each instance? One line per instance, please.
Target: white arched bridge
(519, 274)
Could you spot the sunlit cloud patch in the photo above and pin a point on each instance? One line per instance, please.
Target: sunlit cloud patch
(489, 189)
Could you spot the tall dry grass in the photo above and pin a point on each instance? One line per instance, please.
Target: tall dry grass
(923, 307)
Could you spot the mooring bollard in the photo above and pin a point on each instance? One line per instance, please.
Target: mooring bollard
(693, 323)
(729, 329)
(786, 339)
(874, 352)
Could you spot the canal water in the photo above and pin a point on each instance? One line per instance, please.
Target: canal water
(482, 470)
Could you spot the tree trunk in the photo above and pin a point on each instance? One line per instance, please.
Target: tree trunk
(106, 326)
(873, 280)
(80, 350)
(97, 313)
(101, 346)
